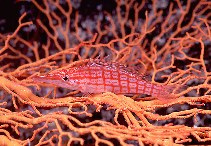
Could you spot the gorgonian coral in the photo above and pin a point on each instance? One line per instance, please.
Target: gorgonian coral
(169, 40)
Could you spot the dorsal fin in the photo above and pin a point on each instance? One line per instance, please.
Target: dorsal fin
(133, 70)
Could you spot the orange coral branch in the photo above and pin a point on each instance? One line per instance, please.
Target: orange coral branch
(168, 41)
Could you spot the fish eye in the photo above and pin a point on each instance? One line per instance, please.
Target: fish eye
(65, 78)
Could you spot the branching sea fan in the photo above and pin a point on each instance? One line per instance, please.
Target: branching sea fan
(121, 72)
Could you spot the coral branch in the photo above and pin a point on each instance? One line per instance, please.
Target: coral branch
(168, 43)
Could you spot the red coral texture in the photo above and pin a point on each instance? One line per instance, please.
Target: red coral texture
(166, 42)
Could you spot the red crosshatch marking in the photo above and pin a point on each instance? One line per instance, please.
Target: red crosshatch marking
(100, 81)
(117, 89)
(155, 92)
(141, 82)
(108, 82)
(140, 87)
(100, 88)
(132, 90)
(115, 75)
(123, 77)
(99, 73)
(148, 90)
(99, 77)
(93, 73)
(124, 90)
(115, 82)
(132, 79)
(107, 74)
(108, 88)
(124, 83)
(148, 85)
(93, 80)
(86, 73)
(132, 85)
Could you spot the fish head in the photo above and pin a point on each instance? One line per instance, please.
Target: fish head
(60, 78)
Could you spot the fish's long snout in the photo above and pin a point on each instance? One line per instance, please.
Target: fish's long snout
(45, 78)
(55, 80)
(39, 79)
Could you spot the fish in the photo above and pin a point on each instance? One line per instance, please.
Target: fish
(99, 76)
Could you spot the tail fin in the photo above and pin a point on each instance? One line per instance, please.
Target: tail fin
(171, 92)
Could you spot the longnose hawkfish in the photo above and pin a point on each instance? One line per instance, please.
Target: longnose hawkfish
(99, 76)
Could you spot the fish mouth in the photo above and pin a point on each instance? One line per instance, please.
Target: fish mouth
(50, 80)
(46, 78)
(54, 80)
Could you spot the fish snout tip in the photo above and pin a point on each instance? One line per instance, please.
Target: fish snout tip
(37, 78)
(46, 77)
